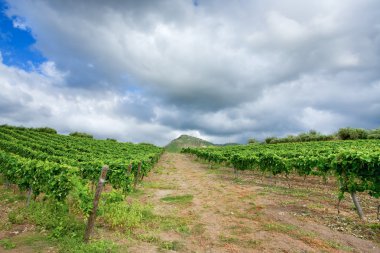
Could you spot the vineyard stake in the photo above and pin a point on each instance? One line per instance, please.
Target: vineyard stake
(130, 169)
(30, 192)
(357, 205)
(92, 217)
(137, 175)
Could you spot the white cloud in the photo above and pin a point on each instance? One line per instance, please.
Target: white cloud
(33, 99)
(221, 70)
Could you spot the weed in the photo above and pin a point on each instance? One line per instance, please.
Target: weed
(16, 217)
(279, 227)
(240, 230)
(198, 229)
(7, 244)
(71, 245)
(226, 239)
(136, 193)
(7, 196)
(338, 246)
(251, 243)
(288, 191)
(172, 223)
(180, 199)
(171, 245)
(53, 216)
(148, 238)
(159, 185)
(125, 216)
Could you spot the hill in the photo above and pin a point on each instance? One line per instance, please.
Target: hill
(186, 141)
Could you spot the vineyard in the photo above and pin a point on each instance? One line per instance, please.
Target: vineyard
(48, 163)
(355, 164)
(51, 167)
(187, 202)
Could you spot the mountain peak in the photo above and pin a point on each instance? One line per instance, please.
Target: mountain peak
(184, 141)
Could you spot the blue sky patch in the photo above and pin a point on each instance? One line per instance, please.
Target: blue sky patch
(16, 45)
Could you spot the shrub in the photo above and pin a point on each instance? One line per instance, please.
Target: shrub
(252, 141)
(270, 140)
(352, 133)
(46, 130)
(82, 135)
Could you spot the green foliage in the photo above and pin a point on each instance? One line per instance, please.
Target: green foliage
(7, 244)
(47, 130)
(253, 141)
(16, 217)
(75, 245)
(53, 164)
(270, 140)
(374, 134)
(81, 135)
(352, 133)
(55, 217)
(312, 135)
(82, 198)
(124, 216)
(356, 164)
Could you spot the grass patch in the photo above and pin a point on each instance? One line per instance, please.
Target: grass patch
(136, 193)
(124, 216)
(180, 199)
(279, 227)
(299, 193)
(158, 170)
(240, 230)
(171, 245)
(77, 246)
(173, 223)
(7, 244)
(148, 238)
(7, 196)
(16, 217)
(215, 171)
(228, 239)
(198, 229)
(250, 244)
(338, 246)
(159, 185)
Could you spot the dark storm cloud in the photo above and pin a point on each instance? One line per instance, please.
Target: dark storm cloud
(224, 70)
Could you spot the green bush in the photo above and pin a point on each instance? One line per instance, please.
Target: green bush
(82, 135)
(271, 139)
(253, 141)
(46, 130)
(352, 133)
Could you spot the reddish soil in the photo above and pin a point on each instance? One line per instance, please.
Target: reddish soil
(243, 214)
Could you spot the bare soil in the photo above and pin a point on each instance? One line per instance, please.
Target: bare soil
(244, 213)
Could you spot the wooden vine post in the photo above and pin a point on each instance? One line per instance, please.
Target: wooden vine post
(358, 207)
(137, 175)
(92, 217)
(30, 193)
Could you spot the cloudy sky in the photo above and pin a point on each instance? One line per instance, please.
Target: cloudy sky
(148, 71)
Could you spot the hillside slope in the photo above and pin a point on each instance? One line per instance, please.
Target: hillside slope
(186, 141)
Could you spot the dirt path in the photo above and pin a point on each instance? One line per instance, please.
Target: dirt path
(226, 216)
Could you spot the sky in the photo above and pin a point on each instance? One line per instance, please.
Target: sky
(222, 70)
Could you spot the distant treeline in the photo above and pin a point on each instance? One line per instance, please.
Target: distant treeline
(342, 134)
